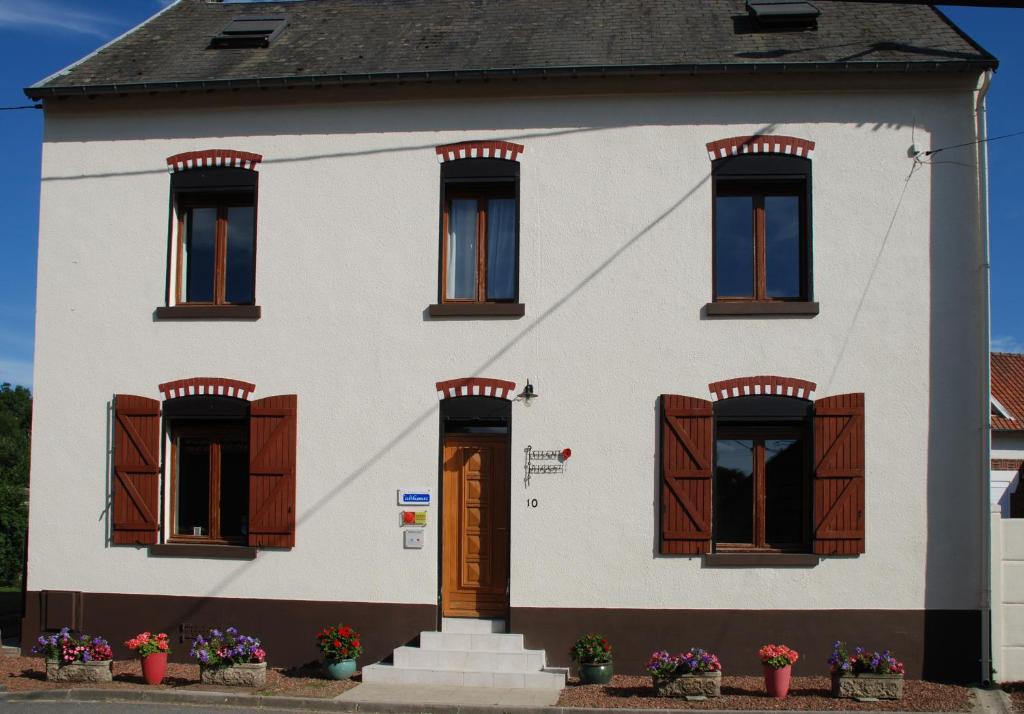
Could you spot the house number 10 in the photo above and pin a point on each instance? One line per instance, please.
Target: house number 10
(531, 503)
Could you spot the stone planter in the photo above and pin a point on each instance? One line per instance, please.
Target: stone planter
(79, 671)
(690, 684)
(877, 686)
(250, 674)
(596, 673)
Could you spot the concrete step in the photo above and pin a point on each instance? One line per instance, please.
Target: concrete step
(391, 674)
(471, 625)
(7, 651)
(466, 642)
(522, 661)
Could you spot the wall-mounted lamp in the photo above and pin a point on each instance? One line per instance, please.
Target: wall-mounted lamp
(527, 395)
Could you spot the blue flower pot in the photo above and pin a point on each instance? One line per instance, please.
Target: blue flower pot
(340, 668)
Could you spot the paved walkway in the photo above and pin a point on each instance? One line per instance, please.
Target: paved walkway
(453, 696)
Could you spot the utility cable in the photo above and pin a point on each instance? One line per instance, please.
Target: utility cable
(969, 143)
(26, 106)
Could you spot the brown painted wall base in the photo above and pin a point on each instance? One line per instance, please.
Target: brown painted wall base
(921, 638)
(287, 627)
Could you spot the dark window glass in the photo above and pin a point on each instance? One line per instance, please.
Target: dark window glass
(501, 249)
(734, 483)
(238, 281)
(734, 246)
(234, 486)
(218, 248)
(200, 254)
(193, 495)
(761, 242)
(784, 491)
(760, 486)
(782, 245)
(211, 479)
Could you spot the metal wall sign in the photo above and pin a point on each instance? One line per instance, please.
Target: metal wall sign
(419, 497)
(544, 461)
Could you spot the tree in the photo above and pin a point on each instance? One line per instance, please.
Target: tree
(15, 435)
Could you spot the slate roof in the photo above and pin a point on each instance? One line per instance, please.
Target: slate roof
(334, 41)
(1008, 390)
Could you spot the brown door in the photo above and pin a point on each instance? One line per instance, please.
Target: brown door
(476, 513)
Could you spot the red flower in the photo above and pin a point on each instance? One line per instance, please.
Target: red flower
(355, 643)
(337, 643)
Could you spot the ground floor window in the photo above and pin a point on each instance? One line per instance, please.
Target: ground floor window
(210, 481)
(761, 488)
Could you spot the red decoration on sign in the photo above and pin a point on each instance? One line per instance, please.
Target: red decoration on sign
(566, 453)
(409, 517)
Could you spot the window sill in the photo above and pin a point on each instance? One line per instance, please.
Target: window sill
(477, 309)
(208, 312)
(188, 550)
(753, 309)
(772, 560)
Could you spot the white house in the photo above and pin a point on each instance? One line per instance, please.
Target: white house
(552, 271)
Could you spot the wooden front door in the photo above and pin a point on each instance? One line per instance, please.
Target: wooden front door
(476, 514)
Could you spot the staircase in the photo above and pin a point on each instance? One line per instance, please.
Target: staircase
(469, 653)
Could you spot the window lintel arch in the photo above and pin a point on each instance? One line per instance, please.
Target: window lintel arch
(207, 386)
(767, 385)
(760, 144)
(475, 387)
(506, 150)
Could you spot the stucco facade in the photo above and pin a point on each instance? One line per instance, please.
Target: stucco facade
(615, 271)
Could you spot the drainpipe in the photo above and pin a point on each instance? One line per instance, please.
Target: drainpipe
(981, 123)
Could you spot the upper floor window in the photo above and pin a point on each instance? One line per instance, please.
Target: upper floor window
(762, 230)
(212, 253)
(479, 251)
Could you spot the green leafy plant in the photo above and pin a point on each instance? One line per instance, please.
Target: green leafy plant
(337, 643)
(591, 649)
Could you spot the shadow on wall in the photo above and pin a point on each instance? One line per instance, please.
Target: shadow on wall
(955, 474)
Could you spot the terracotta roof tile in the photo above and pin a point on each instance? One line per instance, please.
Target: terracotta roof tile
(1008, 390)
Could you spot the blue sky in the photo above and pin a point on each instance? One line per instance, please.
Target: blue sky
(38, 37)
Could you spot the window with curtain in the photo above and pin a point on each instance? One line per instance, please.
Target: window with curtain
(480, 254)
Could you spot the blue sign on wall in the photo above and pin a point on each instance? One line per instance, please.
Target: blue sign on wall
(414, 498)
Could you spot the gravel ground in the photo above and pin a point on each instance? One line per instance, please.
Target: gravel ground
(23, 674)
(805, 693)
(1016, 691)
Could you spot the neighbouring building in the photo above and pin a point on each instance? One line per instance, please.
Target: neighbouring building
(643, 317)
(1007, 432)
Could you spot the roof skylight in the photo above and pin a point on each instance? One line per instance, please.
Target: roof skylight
(250, 31)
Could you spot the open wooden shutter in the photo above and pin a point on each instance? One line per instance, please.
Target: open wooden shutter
(136, 485)
(687, 440)
(272, 471)
(839, 475)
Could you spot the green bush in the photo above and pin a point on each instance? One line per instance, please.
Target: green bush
(15, 435)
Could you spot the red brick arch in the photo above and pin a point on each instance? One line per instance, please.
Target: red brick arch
(208, 386)
(475, 387)
(213, 157)
(762, 384)
(479, 150)
(763, 144)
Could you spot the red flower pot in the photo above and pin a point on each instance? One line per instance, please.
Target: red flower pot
(154, 667)
(776, 681)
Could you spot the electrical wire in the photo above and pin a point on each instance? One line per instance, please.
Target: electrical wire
(25, 106)
(970, 143)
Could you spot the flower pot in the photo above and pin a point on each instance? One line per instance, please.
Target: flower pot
(591, 673)
(79, 671)
(249, 674)
(776, 681)
(340, 668)
(154, 667)
(689, 684)
(877, 686)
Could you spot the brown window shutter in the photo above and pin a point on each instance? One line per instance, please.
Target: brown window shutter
(687, 441)
(136, 486)
(839, 475)
(272, 471)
